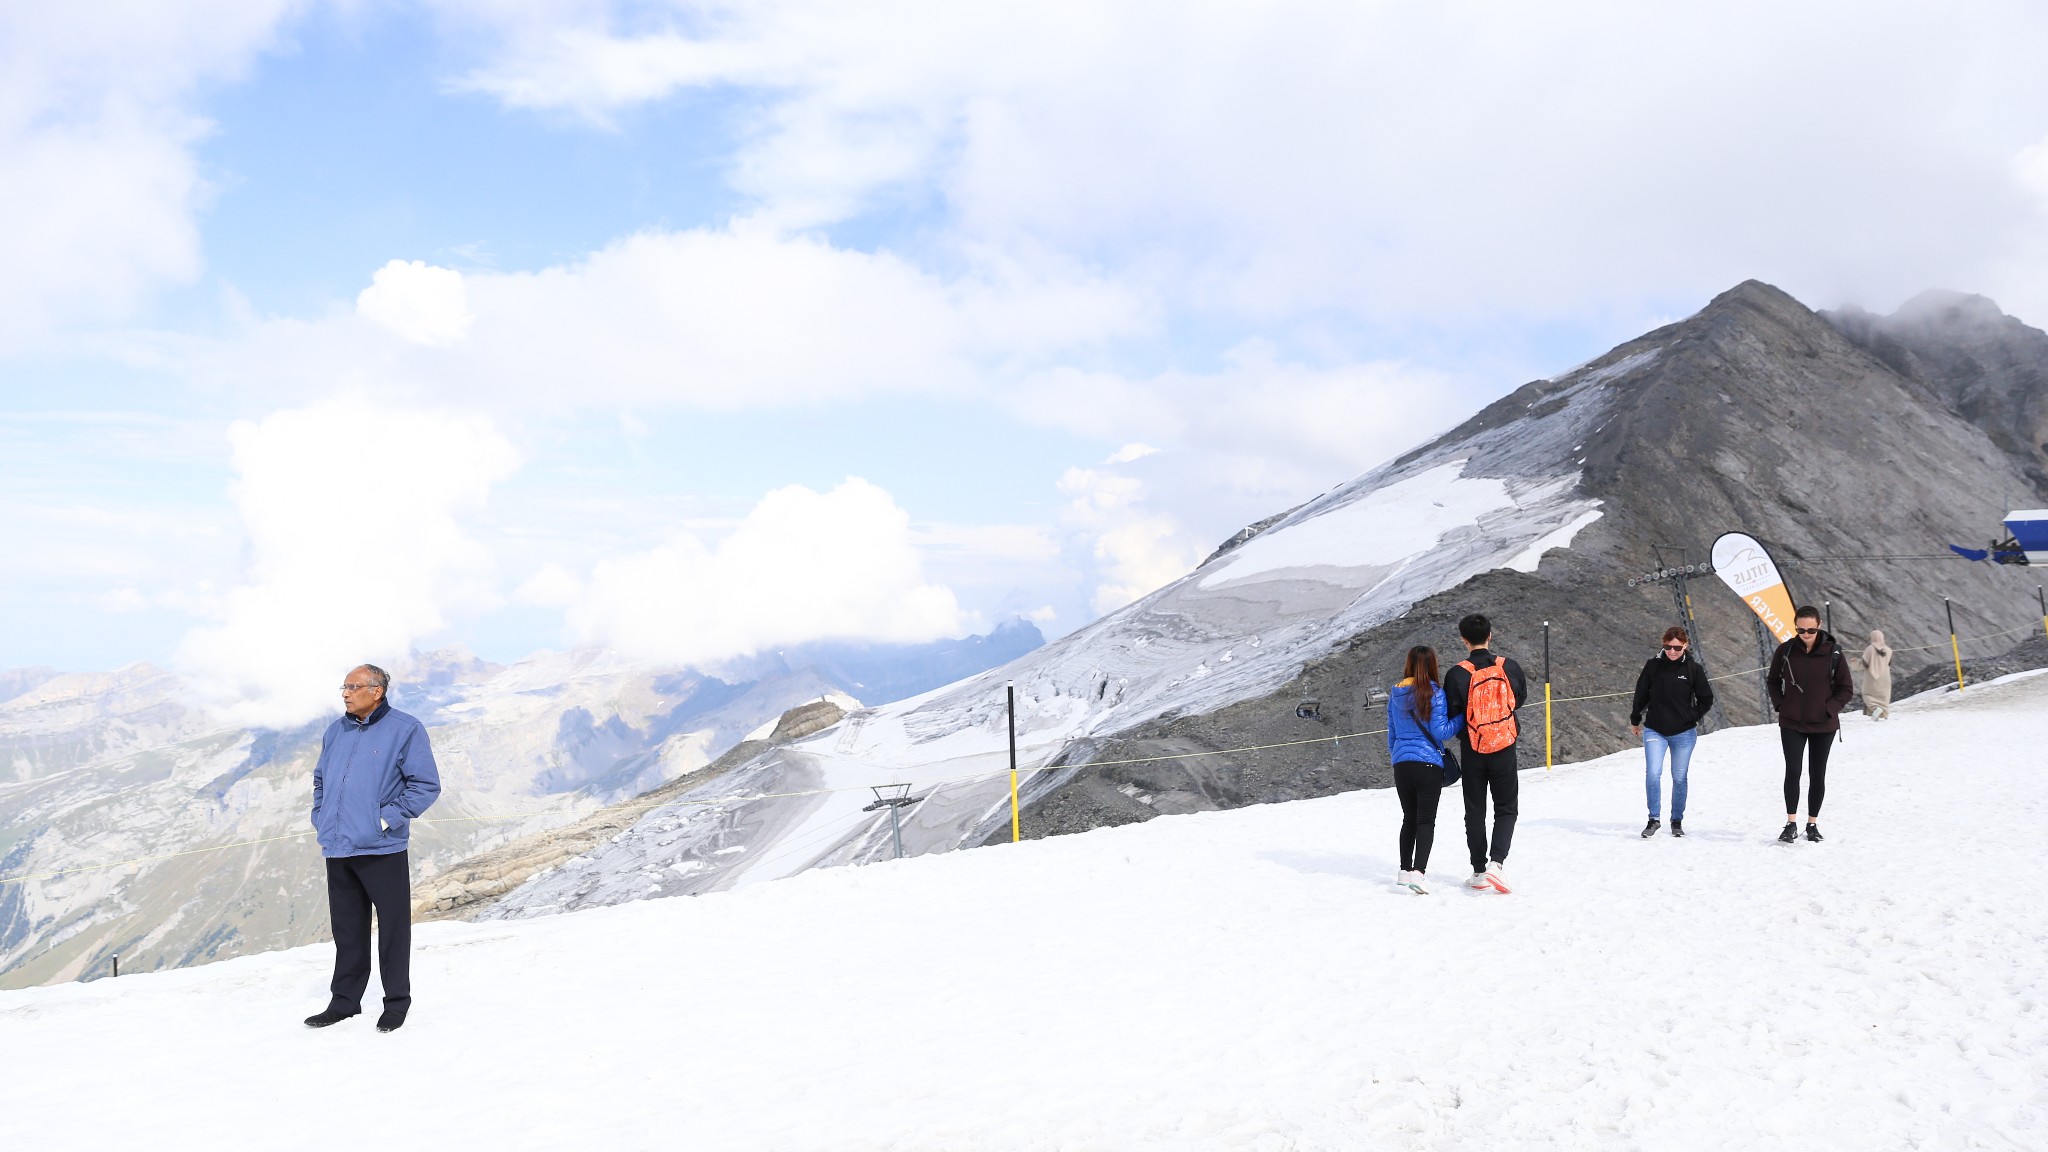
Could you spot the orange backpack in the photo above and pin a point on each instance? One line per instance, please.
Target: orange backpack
(1489, 708)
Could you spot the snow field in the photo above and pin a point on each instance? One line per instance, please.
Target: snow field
(1247, 979)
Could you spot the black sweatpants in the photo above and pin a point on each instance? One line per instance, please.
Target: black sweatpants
(1420, 785)
(1494, 771)
(355, 885)
(1817, 746)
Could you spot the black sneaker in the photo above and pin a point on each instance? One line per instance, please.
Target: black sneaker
(1813, 833)
(1650, 829)
(332, 1015)
(1790, 835)
(392, 1020)
(1678, 827)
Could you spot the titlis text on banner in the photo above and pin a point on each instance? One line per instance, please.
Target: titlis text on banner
(1746, 566)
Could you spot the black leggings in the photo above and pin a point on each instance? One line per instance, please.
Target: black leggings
(1817, 746)
(1419, 785)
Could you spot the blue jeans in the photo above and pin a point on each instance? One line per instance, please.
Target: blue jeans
(1655, 744)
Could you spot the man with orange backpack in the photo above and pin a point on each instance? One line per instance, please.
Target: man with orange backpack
(1486, 689)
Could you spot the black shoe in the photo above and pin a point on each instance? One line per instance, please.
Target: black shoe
(1678, 827)
(332, 1015)
(392, 1020)
(1790, 835)
(1813, 833)
(1650, 829)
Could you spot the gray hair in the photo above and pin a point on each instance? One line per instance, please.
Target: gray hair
(382, 677)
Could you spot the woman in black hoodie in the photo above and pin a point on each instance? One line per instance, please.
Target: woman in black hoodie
(1809, 684)
(1672, 695)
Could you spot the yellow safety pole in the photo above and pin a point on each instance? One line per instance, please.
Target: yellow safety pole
(1546, 697)
(1016, 820)
(1955, 647)
(2041, 593)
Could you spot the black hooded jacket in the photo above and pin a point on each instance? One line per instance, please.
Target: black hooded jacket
(1809, 689)
(1673, 694)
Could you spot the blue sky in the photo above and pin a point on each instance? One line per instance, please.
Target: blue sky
(1073, 290)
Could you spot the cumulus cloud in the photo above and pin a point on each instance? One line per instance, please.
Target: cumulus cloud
(100, 183)
(357, 547)
(732, 317)
(1370, 158)
(418, 301)
(802, 565)
(1139, 549)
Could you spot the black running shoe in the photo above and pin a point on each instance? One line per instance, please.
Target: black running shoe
(1650, 829)
(1790, 835)
(1813, 833)
(1678, 827)
(392, 1020)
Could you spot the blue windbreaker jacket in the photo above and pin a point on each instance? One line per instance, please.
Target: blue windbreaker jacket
(375, 777)
(1406, 739)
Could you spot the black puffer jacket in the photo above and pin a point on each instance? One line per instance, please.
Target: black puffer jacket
(1674, 694)
(1809, 689)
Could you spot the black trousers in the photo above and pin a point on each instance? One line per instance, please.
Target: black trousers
(1817, 746)
(355, 885)
(1494, 772)
(1420, 785)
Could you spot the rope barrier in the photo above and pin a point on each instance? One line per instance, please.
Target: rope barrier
(632, 807)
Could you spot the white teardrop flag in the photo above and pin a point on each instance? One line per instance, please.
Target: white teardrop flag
(1746, 566)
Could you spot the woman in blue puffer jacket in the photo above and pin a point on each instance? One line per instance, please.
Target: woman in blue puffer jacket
(1418, 723)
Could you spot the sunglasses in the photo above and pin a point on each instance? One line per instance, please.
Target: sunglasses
(1674, 647)
(1808, 631)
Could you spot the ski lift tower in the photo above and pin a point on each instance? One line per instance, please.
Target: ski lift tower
(893, 797)
(1681, 598)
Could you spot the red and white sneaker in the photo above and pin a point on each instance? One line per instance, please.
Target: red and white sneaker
(1496, 877)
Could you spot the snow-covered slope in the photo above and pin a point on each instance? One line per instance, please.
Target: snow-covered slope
(1229, 980)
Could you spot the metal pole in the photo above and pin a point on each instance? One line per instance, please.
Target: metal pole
(117, 964)
(2043, 596)
(1765, 653)
(1547, 746)
(1827, 616)
(896, 830)
(1954, 646)
(1016, 823)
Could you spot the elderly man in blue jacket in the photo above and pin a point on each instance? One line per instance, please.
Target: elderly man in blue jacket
(375, 777)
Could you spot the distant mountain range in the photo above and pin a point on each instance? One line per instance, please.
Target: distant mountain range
(104, 767)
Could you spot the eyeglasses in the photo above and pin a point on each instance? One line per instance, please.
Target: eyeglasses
(1808, 631)
(346, 688)
(1674, 647)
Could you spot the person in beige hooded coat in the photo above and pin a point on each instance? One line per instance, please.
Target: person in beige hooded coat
(1876, 661)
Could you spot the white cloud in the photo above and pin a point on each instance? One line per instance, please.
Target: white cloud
(418, 301)
(743, 316)
(357, 549)
(1139, 549)
(99, 183)
(1130, 452)
(1379, 159)
(2031, 166)
(801, 566)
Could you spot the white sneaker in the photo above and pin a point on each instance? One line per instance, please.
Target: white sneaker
(1479, 880)
(1413, 882)
(1496, 877)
